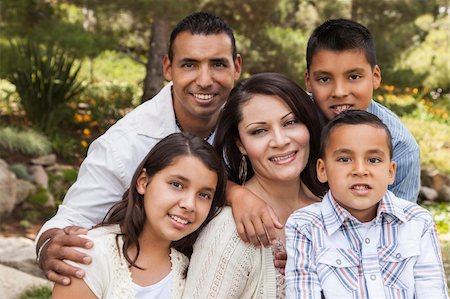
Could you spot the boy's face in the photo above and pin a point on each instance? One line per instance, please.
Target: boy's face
(342, 80)
(357, 167)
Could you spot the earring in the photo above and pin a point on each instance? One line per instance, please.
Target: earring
(243, 170)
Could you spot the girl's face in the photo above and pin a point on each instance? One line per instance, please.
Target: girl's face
(177, 199)
(276, 143)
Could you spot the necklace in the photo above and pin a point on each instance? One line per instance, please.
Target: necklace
(181, 129)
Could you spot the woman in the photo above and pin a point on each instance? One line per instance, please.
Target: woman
(142, 247)
(268, 133)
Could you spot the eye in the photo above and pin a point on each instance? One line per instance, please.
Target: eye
(187, 65)
(257, 131)
(343, 159)
(374, 160)
(323, 79)
(354, 77)
(176, 185)
(205, 195)
(219, 65)
(290, 122)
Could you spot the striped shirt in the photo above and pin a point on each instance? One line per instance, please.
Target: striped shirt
(406, 154)
(331, 252)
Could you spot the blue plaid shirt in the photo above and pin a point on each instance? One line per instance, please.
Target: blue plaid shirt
(398, 256)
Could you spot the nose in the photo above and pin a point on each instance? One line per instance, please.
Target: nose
(359, 169)
(187, 202)
(204, 77)
(279, 138)
(340, 89)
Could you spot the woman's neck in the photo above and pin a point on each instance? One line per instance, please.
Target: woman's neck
(283, 196)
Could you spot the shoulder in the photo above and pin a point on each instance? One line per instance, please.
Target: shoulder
(307, 216)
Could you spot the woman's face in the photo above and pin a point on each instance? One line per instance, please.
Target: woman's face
(276, 143)
(177, 199)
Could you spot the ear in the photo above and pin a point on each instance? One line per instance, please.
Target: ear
(307, 81)
(167, 68)
(392, 170)
(142, 182)
(376, 77)
(237, 67)
(321, 171)
(241, 147)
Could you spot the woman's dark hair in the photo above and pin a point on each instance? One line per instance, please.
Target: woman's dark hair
(271, 84)
(129, 213)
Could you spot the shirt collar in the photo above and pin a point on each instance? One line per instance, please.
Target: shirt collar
(334, 216)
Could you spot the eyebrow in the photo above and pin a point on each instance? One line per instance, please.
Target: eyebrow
(215, 59)
(349, 151)
(261, 122)
(355, 70)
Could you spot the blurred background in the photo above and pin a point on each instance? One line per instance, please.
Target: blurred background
(70, 69)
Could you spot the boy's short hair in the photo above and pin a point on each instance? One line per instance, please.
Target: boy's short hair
(202, 23)
(339, 35)
(353, 117)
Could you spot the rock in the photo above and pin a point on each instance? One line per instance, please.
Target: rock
(59, 167)
(8, 190)
(444, 194)
(24, 189)
(434, 179)
(19, 253)
(39, 175)
(427, 193)
(13, 282)
(44, 160)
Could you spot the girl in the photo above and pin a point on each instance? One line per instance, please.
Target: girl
(143, 244)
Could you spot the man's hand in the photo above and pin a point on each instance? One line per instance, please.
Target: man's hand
(255, 219)
(59, 248)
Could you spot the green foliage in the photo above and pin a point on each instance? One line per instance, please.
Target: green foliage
(27, 142)
(46, 82)
(37, 293)
(67, 146)
(60, 182)
(40, 197)
(441, 216)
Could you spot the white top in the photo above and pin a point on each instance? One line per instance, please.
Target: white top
(159, 290)
(224, 266)
(108, 275)
(111, 161)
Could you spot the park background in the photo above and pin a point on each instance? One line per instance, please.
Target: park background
(70, 68)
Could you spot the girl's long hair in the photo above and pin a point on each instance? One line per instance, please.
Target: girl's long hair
(129, 212)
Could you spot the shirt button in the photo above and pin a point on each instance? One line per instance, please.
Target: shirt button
(373, 277)
(367, 240)
(338, 261)
(398, 255)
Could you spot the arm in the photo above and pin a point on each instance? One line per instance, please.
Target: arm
(429, 275)
(77, 289)
(99, 184)
(255, 219)
(407, 176)
(221, 264)
(301, 273)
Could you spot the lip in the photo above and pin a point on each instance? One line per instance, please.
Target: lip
(338, 109)
(179, 221)
(284, 158)
(360, 189)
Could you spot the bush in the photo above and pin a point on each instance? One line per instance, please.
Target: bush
(37, 293)
(45, 80)
(27, 142)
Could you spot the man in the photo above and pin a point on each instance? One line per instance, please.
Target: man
(203, 65)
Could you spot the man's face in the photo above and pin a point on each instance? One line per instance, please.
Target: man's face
(342, 80)
(357, 167)
(203, 73)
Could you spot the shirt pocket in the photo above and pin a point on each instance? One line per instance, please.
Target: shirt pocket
(337, 269)
(397, 264)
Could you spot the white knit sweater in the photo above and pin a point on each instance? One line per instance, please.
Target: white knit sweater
(224, 266)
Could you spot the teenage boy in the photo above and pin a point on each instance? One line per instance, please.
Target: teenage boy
(342, 73)
(361, 241)
(202, 65)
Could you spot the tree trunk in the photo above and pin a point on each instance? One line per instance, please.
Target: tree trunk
(154, 78)
(354, 12)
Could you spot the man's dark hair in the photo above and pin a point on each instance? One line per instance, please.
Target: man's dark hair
(202, 23)
(340, 35)
(353, 117)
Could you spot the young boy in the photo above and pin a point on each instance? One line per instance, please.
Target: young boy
(342, 73)
(361, 241)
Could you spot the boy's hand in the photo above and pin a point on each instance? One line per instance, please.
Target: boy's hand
(59, 248)
(255, 219)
